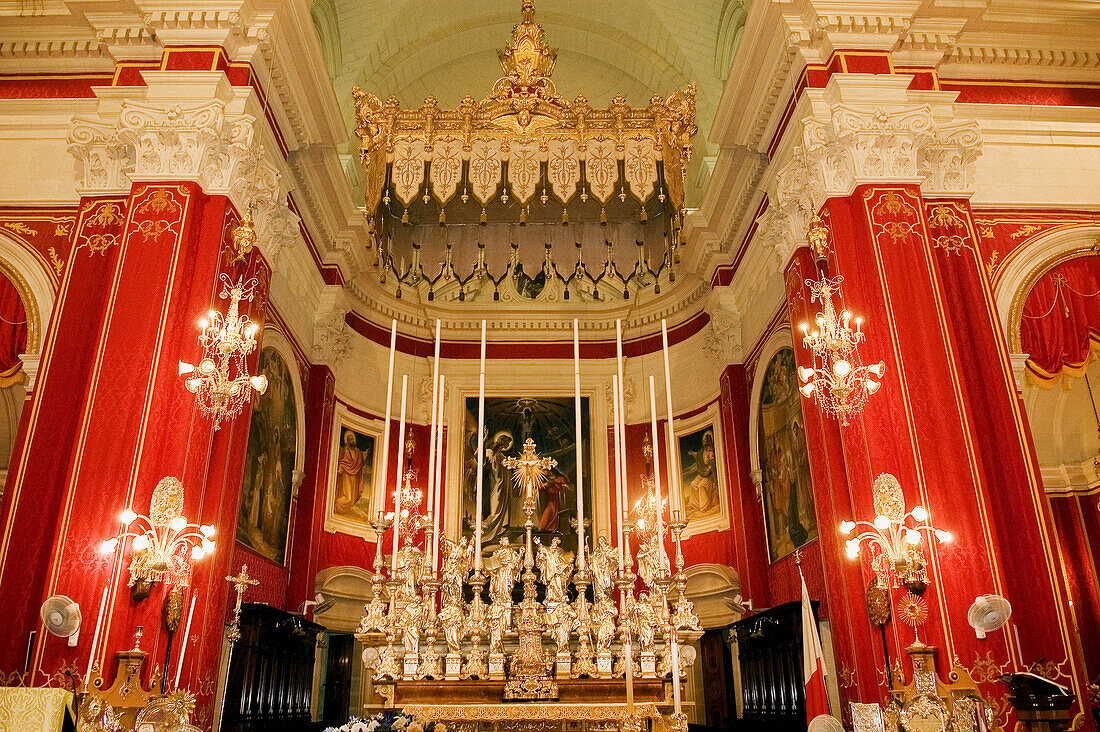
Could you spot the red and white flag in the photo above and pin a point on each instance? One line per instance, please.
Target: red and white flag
(813, 660)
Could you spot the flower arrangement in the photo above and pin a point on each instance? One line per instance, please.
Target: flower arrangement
(388, 722)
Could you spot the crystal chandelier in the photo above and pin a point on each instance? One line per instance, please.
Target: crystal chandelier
(895, 537)
(220, 380)
(838, 381)
(164, 543)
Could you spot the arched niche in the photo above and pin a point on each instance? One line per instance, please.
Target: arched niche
(274, 460)
(28, 291)
(323, 13)
(1061, 416)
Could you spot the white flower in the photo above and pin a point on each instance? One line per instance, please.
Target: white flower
(359, 726)
(372, 726)
(415, 727)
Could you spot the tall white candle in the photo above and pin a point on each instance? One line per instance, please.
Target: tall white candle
(480, 453)
(619, 492)
(186, 634)
(656, 464)
(624, 507)
(386, 426)
(579, 443)
(95, 635)
(400, 477)
(437, 479)
(435, 417)
(675, 496)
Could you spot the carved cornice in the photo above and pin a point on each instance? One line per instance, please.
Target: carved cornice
(722, 341)
(201, 144)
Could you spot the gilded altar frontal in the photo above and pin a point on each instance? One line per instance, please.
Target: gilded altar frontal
(636, 366)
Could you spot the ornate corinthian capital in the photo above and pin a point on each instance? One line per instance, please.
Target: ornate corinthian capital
(203, 144)
(331, 339)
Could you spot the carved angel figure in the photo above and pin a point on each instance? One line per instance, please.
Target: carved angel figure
(503, 577)
(603, 560)
(457, 560)
(605, 624)
(643, 622)
(452, 619)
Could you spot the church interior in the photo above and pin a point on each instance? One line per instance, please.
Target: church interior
(427, 366)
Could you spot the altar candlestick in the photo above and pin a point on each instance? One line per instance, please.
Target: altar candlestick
(579, 443)
(619, 492)
(480, 453)
(183, 646)
(437, 479)
(95, 635)
(400, 477)
(656, 465)
(431, 438)
(386, 427)
(675, 495)
(675, 642)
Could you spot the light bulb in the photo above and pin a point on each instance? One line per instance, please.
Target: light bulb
(852, 548)
(944, 536)
(250, 331)
(913, 537)
(882, 523)
(207, 546)
(207, 366)
(185, 368)
(196, 553)
(920, 514)
(127, 517)
(805, 373)
(259, 383)
(141, 543)
(107, 546)
(872, 386)
(878, 369)
(193, 384)
(207, 530)
(847, 527)
(177, 523)
(807, 389)
(842, 368)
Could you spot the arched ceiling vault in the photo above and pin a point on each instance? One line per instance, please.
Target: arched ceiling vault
(637, 48)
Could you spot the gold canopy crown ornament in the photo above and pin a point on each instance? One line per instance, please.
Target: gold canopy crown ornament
(548, 142)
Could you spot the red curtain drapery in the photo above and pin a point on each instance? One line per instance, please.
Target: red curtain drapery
(1060, 323)
(13, 333)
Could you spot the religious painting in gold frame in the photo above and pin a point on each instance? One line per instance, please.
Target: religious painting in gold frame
(702, 473)
(264, 515)
(354, 466)
(786, 487)
(509, 421)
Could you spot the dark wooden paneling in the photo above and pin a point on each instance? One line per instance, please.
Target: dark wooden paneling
(270, 672)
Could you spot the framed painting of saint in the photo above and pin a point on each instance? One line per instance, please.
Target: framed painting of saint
(264, 515)
(509, 422)
(351, 475)
(784, 464)
(702, 475)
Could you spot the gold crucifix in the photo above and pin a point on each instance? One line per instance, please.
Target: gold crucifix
(242, 582)
(529, 473)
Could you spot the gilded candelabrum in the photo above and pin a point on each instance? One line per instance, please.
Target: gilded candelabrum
(683, 615)
(475, 667)
(375, 619)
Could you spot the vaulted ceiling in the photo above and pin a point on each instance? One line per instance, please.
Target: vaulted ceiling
(447, 49)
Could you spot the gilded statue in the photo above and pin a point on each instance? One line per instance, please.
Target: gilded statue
(643, 621)
(498, 624)
(652, 561)
(605, 624)
(556, 566)
(560, 621)
(453, 622)
(410, 619)
(503, 577)
(458, 557)
(603, 560)
(410, 567)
